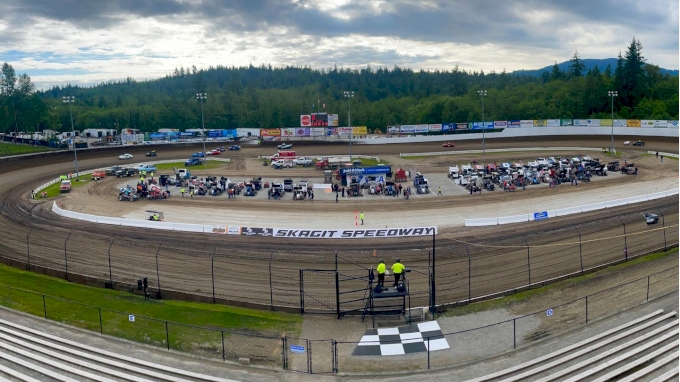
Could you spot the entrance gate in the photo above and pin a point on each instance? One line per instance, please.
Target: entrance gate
(318, 293)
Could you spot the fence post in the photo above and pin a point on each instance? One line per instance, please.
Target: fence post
(158, 277)
(514, 333)
(469, 273)
(28, 250)
(283, 353)
(271, 290)
(44, 307)
(65, 256)
(528, 260)
(212, 272)
(167, 335)
(335, 356)
(224, 356)
(580, 248)
(625, 239)
(428, 353)
(309, 357)
(101, 325)
(110, 274)
(648, 288)
(586, 309)
(302, 293)
(663, 224)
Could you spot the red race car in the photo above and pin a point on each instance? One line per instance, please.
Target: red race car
(449, 144)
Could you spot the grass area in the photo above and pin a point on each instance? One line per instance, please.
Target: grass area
(526, 295)
(64, 304)
(371, 162)
(7, 149)
(613, 155)
(53, 190)
(208, 165)
(653, 155)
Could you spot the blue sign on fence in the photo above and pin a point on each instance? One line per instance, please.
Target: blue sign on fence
(549, 312)
(540, 215)
(297, 349)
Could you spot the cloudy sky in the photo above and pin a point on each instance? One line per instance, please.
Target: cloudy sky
(89, 41)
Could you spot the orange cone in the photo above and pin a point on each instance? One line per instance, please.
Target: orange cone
(355, 223)
(374, 253)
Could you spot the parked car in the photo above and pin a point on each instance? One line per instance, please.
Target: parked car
(112, 170)
(146, 167)
(449, 144)
(99, 174)
(304, 161)
(234, 147)
(639, 143)
(125, 172)
(284, 146)
(65, 186)
(125, 156)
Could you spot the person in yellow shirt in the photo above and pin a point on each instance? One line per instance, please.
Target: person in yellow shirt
(398, 270)
(381, 273)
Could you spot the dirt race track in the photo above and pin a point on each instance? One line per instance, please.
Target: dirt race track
(471, 262)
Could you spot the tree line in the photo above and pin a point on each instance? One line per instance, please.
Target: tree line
(269, 97)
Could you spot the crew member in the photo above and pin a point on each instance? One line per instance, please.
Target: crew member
(361, 216)
(381, 273)
(397, 269)
(182, 191)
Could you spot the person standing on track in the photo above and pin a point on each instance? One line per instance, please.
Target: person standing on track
(182, 191)
(361, 216)
(439, 191)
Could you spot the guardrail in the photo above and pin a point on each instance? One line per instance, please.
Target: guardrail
(457, 152)
(86, 172)
(662, 153)
(569, 210)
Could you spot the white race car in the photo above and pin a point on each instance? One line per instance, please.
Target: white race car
(125, 156)
(626, 143)
(285, 146)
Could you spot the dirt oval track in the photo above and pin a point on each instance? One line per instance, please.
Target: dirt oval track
(266, 271)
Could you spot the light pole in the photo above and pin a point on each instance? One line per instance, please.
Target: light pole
(202, 97)
(69, 100)
(612, 93)
(483, 93)
(349, 95)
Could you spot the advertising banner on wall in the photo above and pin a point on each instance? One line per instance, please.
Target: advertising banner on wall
(333, 120)
(448, 127)
(437, 127)
(316, 131)
(592, 122)
(553, 123)
(500, 124)
(606, 122)
(305, 120)
(302, 132)
(343, 130)
(222, 230)
(359, 130)
(253, 231)
(526, 123)
(331, 131)
(654, 123)
(407, 128)
(462, 126)
(540, 122)
(566, 122)
(480, 125)
(620, 123)
(270, 132)
(157, 136)
(515, 123)
(672, 124)
(421, 128)
(348, 233)
(633, 123)
(580, 122)
(288, 132)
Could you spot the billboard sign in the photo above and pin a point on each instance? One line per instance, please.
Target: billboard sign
(333, 120)
(526, 123)
(305, 120)
(270, 132)
(606, 122)
(462, 126)
(407, 128)
(355, 233)
(343, 130)
(288, 132)
(421, 128)
(566, 122)
(437, 127)
(514, 123)
(316, 131)
(672, 124)
(580, 122)
(359, 130)
(592, 122)
(448, 126)
(620, 123)
(540, 122)
(553, 123)
(500, 124)
(302, 132)
(633, 123)
(319, 119)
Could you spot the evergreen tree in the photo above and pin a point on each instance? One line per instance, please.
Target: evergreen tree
(576, 67)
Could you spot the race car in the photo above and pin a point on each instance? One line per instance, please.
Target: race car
(234, 147)
(639, 143)
(284, 146)
(449, 144)
(125, 156)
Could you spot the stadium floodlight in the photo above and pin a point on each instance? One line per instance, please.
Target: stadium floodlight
(612, 94)
(202, 97)
(349, 95)
(483, 94)
(69, 100)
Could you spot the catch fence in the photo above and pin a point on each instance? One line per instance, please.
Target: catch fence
(306, 281)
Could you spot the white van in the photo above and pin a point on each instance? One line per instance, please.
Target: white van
(283, 163)
(454, 173)
(466, 170)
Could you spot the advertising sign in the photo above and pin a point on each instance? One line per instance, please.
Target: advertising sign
(355, 233)
(659, 123)
(540, 122)
(157, 136)
(366, 170)
(332, 131)
(407, 128)
(343, 130)
(319, 119)
(393, 129)
(302, 132)
(437, 127)
(515, 123)
(215, 133)
(186, 134)
(288, 132)
(448, 126)
(316, 131)
(633, 123)
(606, 122)
(580, 122)
(540, 215)
(592, 122)
(672, 124)
(620, 123)
(421, 128)
(222, 230)
(359, 130)
(500, 124)
(462, 126)
(553, 123)
(270, 132)
(566, 122)
(306, 120)
(233, 230)
(333, 120)
(252, 231)
(526, 123)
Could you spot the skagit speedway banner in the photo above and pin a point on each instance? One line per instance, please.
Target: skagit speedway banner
(339, 234)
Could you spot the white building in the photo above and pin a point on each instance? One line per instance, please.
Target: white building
(98, 133)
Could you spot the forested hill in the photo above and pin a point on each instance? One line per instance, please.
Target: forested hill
(588, 63)
(275, 97)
